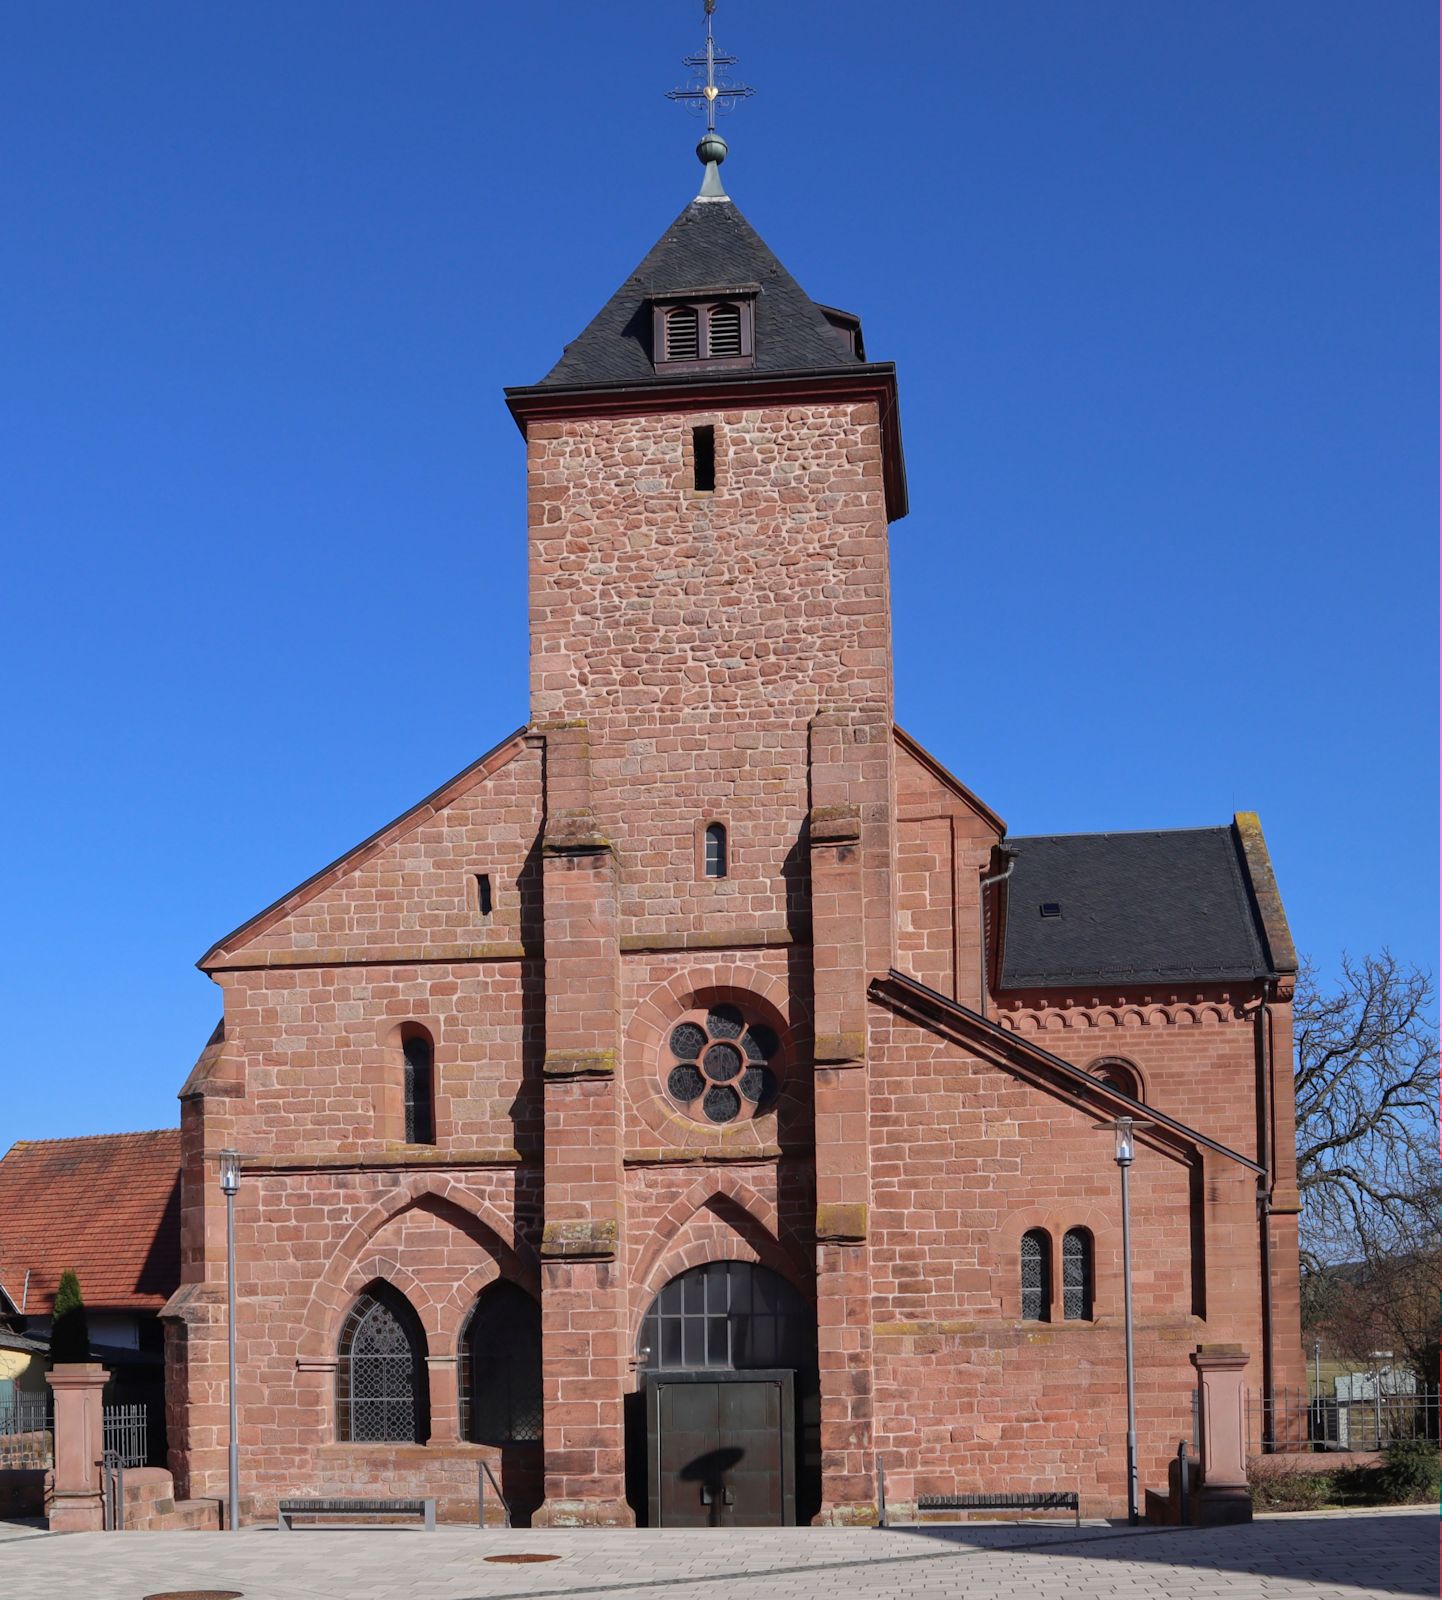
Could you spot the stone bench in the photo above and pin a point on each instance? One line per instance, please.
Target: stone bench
(287, 1510)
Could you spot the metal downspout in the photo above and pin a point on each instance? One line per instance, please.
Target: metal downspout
(1264, 1212)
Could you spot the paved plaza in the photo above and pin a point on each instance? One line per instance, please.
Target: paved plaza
(1336, 1556)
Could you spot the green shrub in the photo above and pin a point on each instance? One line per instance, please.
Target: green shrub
(70, 1330)
(1410, 1472)
(1279, 1484)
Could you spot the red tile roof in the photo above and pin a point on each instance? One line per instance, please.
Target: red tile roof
(108, 1207)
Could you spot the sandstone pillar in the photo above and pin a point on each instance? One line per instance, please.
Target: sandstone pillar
(75, 1503)
(1224, 1496)
(851, 936)
(583, 1302)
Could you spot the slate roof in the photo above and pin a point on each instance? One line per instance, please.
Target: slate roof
(709, 246)
(1135, 908)
(108, 1207)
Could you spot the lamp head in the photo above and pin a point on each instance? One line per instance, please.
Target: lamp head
(1126, 1151)
(229, 1171)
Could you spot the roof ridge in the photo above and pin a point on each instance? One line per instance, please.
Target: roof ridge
(77, 1138)
(1121, 833)
(82, 1138)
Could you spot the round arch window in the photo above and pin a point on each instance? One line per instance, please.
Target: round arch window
(721, 1065)
(1118, 1074)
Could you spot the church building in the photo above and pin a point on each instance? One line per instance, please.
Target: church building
(702, 1101)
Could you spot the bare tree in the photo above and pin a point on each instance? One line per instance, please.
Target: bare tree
(1367, 1136)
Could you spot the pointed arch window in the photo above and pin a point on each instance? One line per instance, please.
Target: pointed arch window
(500, 1368)
(1076, 1275)
(1036, 1276)
(381, 1393)
(420, 1091)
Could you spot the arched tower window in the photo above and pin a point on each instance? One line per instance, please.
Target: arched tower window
(1076, 1275)
(420, 1088)
(1036, 1275)
(716, 863)
(683, 341)
(723, 331)
(500, 1368)
(380, 1376)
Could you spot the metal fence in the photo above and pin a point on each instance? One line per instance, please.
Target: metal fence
(25, 1432)
(1293, 1420)
(127, 1437)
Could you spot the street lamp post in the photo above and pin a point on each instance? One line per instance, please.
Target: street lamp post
(229, 1183)
(1125, 1154)
(1124, 1129)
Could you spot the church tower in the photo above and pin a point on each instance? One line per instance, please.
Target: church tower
(712, 467)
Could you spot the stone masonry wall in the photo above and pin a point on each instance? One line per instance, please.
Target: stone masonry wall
(698, 634)
(966, 1158)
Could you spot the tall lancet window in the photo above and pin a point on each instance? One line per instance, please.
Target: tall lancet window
(420, 1097)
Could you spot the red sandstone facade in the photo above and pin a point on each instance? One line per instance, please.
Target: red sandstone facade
(707, 656)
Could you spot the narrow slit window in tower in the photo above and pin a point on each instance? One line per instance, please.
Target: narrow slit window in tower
(703, 450)
(483, 895)
(715, 850)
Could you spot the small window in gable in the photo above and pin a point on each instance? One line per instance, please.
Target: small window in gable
(715, 850)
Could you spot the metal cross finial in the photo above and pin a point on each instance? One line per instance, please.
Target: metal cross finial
(709, 93)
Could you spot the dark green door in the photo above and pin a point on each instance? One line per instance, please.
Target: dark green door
(721, 1451)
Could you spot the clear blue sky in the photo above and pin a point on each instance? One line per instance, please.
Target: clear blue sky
(1159, 280)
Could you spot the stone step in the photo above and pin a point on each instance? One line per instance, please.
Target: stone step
(171, 1516)
(203, 1515)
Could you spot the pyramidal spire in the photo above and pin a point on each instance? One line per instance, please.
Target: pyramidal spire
(709, 94)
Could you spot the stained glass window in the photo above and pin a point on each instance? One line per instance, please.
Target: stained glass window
(380, 1374)
(1036, 1276)
(721, 1066)
(1076, 1275)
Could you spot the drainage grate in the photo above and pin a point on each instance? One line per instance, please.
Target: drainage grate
(196, 1594)
(513, 1560)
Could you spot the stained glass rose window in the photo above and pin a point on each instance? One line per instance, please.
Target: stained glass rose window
(721, 1066)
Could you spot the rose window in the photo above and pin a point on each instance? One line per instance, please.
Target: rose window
(722, 1066)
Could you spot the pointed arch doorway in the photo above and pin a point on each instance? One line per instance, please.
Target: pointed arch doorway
(726, 1425)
